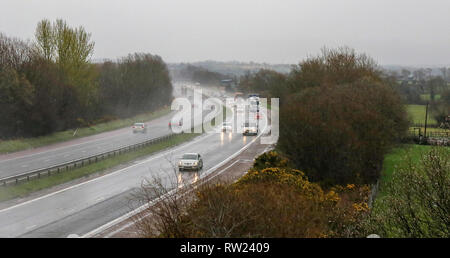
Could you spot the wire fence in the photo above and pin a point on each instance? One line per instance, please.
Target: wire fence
(431, 133)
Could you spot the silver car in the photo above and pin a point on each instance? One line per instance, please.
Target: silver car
(190, 161)
(139, 127)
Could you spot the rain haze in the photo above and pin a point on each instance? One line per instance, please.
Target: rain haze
(224, 119)
(406, 32)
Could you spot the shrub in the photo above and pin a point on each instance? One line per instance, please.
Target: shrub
(441, 109)
(273, 202)
(417, 203)
(339, 134)
(338, 115)
(334, 67)
(269, 159)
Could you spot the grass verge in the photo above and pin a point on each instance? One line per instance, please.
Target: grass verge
(398, 157)
(28, 143)
(24, 189)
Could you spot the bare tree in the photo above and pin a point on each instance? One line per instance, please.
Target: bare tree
(418, 199)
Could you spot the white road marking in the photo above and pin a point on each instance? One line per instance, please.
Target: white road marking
(30, 227)
(141, 208)
(194, 141)
(110, 174)
(72, 145)
(131, 223)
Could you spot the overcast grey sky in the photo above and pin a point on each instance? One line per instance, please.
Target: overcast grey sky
(407, 32)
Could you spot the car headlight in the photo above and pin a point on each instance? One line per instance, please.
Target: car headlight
(195, 163)
(179, 163)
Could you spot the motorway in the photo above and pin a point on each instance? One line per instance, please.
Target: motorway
(18, 163)
(84, 207)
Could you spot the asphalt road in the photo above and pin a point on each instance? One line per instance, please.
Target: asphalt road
(80, 148)
(84, 207)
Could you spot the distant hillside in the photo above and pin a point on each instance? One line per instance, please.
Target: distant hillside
(234, 68)
(192, 73)
(435, 70)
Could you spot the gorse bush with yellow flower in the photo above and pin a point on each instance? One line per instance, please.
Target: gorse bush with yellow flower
(267, 202)
(283, 176)
(270, 159)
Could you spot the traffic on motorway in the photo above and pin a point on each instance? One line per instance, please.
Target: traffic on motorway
(102, 199)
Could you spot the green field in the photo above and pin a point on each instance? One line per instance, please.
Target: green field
(417, 114)
(399, 155)
(28, 143)
(427, 96)
(390, 193)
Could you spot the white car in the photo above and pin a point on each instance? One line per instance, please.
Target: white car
(250, 129)
(226, 127)
(139, 127)
(190, 161)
